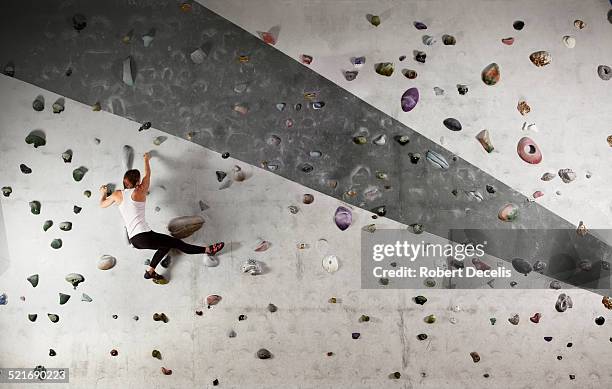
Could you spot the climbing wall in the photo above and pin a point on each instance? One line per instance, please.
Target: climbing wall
(173, 77)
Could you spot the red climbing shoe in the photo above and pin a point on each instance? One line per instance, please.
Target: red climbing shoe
(214, 248)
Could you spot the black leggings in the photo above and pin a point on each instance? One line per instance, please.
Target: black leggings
(163, 243)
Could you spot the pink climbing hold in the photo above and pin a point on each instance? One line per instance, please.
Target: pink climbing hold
(529, 151)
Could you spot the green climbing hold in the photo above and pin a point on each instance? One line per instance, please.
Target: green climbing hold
(156, 354)
(430, 319)
(360, 140)
(35, 207)
(65, 226)
(32, 317)
(56, 244)
(53, 317)
(79, 173)
(6, 191)
(75, 279)
(385, 68)
(87, 193)
(36, 138)
(47, 224)
(33, 279)
(63, 298)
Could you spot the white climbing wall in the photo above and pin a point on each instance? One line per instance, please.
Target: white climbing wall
(303, 330)
(569, 102)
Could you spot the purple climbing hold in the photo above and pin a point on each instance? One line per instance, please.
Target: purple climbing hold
(343, 218)
(420, 26)
(410, 98)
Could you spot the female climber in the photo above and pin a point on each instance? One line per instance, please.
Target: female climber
(131, 202)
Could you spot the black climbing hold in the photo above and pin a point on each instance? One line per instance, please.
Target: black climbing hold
(420, 26)
(383, 281)
(68, 72)
(559, 357)
(486, 375)
(380, 211)
(115, 317)
(145, 126)
(215, 382)
(452, 124)
(600, 320)
(420, 300)
(448, 40)
(402, 139)
(25, 169)
(262, 353)
(6, 191)
(570, 344)
(364, 318)
(522, 266)
(548, 338)
(491, 189)
(76, 209)
(355, 335)
(52, 352)
(114, 352)
(39, 103)
(306, 168)
(272, 308)
(572, 377)
(397, 375)
(420, 56)
(518, 25)
(422, 336)
(242, 317)
(9, 69)
(79, 22)
(414, 157)
(220, 175)
(225, 155)
(462, 89)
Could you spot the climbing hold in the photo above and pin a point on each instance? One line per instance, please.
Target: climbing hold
(32, 317)
(514, 320)
(436, 159)
(241, 108)
(385, 68)
(79, 173)
(231, 334)
(306, 167)
(462, 89)
(47, 224)
(343, 218)
(52, 352)
(409, 100)
(540, 58)
(65, 226)
(87, 193)
(420, 26)
(563, 303)
(490, 189)
(63, 298)
(67, 156)
(567, 175)
(39, 103)
(307, 198)
(184, 226)
(422, 336)
(409, 73)
(485, 140)
(262, 245)
(160, 317)
(237, 174)
(449, 40)
(600, 320)
(508, 41)
(306, 59)
(438, 91)
(156, 354)
(536, 318)
(225, 155)
(114, 353)
(522, 266)
(508, 213)
(452, 124)
(252, 267)
(582, 230)
(33, 279)
(355, 335)
(86, 298)
(213, 299)
(128, 74)
(75, 279)
(159, 140)
(490, 74)
(480, 265)
(350, 75)
(6, 191)
(420, 56)
(475, 356)
(262, 353)
(97, 107)
(529, 151)
(402, 139)
(148, 37)
(428, 40)
(420, 300)
(79, 22)
(330, 263)
(539, 266)
(380, 140)
(579, 24)
(36, 138)
(547, 176)
(397, 375)
(416, 228)
(25, 169)
(106, 262)
(293, 209)
(518, 25)
(76, 209)
(569, 41)
(607, 302)
(380, 211)
(53, 317)
(604, 72)
(430, 319)
(220, 175)
(272, 308)
(58, 106)
(35, 207)
(523, 107)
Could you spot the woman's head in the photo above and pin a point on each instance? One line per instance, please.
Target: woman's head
(131, 178)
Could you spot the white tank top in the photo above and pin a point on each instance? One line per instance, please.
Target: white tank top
(133, 213)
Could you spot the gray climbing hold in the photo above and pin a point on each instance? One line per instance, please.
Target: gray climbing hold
(6, 191)
(462, 89)
(65, 226)
(522, 266)
(56, 244)
(33, 279)
(63, 298)
(47, 224)
(514, 320)
(604, 72)
(159, 140)
(203, 206)
(436, 159)
(438, 91)
(127, 157)
(58, 106)
(262, 353)
(67, 156)
(79, 173)
(350, 75)
(449, 40)
(86, 298)
(231, 334)
(106, 262)
(428, 40)
(184, 226)
(25, 169)
(148, 37)
(39, 103)
(53, 317)
(36, 138)
(563, 303)
(35, 207)
(272, 308)
(567, 175)
(32, 317)
(452, 124)
(251, 267)
(75, 279)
